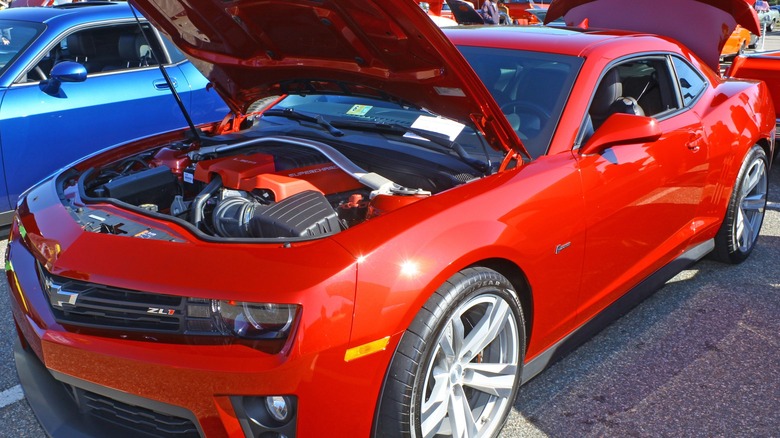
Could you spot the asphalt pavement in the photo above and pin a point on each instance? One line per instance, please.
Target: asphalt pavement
(699, 358)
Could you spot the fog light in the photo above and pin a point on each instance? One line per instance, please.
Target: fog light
(278, 408)
(271, 416)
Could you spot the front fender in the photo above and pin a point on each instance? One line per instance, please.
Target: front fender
(525, 218)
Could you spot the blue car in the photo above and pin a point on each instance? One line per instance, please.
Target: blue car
(78, 78)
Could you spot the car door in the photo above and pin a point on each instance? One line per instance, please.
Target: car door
(203, 103)
(124, 97)
(641, 198)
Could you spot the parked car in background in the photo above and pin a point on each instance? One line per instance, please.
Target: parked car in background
(739, 40)
(50, 115)
(519, 11)
(440, 19)
(446, 12)
(768, 17)
(541, 14)
(463, 12)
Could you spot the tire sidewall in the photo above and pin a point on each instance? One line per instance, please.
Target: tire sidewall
(726, 246)
(476, 283)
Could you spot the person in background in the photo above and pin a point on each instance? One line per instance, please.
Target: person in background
(489, 12)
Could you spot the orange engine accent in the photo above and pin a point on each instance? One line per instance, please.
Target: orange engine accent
(281, 186)
(381, 204)
(236, 169)
(257, 171)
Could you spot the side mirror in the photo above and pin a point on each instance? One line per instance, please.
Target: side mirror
(66, 71)
(622, 129)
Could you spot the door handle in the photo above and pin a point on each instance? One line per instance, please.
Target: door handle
(160, 84)
(695, 141)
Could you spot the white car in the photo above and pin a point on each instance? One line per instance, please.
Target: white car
(768, 17)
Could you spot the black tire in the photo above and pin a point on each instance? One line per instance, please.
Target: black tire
(740, 229)
(420, 369)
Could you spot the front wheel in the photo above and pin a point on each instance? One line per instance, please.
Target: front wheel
(457, 368)
(739, 232)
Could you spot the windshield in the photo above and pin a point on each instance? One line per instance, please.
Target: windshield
(530, 87)
(360, 113)
(15, 36)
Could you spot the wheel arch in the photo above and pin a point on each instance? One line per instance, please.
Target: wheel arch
(768, 150)
(519, 280)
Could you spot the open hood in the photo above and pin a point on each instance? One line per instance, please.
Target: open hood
(701, 25)
(258, 48)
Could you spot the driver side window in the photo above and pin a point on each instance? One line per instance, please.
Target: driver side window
(638, 86)
(99, 50)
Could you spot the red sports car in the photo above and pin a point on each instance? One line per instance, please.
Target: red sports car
(397, 229)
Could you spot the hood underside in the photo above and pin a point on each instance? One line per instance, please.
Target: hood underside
(703, 26)
(258, 48)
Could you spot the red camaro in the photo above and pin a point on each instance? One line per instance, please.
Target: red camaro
(399, 227)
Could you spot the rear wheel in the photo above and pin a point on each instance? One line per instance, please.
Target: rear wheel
(740, 229)
(457, 368)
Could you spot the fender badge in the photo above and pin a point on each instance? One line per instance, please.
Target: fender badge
(561, 247)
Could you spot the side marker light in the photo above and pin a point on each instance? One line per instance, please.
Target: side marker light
(366, 349)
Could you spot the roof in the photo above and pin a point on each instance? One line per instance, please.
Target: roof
(563, 41)
(86, 11)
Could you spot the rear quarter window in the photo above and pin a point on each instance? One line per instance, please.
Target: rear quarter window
(690, 82)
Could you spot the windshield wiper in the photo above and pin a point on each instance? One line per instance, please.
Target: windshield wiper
(438, 139)
(293, 115)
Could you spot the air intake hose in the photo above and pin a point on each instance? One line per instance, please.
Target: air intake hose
(305, 214)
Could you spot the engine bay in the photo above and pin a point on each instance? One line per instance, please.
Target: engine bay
(264, 188)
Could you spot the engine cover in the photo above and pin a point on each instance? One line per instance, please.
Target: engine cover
(265, 171)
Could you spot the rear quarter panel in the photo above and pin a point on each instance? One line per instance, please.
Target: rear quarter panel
(736, 115)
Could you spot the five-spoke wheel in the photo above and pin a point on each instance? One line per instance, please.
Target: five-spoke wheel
(457, 369)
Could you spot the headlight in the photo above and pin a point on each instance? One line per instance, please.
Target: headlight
(256, 320)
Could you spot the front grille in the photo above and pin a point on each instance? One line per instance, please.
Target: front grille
(137, 419)
(90, 305)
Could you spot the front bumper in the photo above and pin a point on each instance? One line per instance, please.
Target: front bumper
(81, 384)
(66, 406)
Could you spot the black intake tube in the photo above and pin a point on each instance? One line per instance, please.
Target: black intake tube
(200, 201)
(305, 214)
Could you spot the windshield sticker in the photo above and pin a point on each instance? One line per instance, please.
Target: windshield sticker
(439, 125)
(359, 110)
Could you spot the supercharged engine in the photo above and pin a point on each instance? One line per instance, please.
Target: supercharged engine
(278, 187)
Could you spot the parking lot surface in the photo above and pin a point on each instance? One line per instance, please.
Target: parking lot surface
(701, 357)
